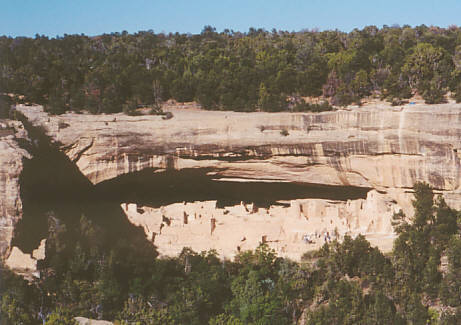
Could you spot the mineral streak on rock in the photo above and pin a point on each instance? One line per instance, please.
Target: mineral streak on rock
(381, 148)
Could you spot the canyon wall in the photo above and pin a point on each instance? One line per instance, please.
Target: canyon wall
(383, 149)
(11, 166)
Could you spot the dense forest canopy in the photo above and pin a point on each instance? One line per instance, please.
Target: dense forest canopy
(88, 273)
(257, 70)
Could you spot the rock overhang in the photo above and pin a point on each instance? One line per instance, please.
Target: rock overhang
(385, 149)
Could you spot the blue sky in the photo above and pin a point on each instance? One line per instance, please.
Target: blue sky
(92, 17)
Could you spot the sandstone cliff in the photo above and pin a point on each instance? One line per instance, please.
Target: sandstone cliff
(11, 165)
(381, 148)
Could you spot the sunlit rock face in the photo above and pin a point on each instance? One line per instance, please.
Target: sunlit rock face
(87, 321)
(11, 165)
(291, 229)
(381, 148)
(26, 264)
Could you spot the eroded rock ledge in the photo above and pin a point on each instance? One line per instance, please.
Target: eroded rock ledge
(381, 148)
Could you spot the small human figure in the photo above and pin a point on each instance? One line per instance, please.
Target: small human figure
(307, 239)
(213, 225)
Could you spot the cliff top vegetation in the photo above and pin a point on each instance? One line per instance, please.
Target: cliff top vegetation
(256, 70)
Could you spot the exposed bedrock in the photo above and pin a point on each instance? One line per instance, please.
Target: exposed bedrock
(387, 149)
(11, 166)
(377, 152)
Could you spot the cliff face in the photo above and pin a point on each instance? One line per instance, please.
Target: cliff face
(383, 148)
(11, 165)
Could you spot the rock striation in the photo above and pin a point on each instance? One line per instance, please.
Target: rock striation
(11, 165)
(381, 148)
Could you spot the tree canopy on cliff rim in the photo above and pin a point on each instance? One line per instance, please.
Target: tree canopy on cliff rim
(257, 70)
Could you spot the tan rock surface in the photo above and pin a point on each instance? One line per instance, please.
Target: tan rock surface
(23, 263)
(384, 148)
(87, 321)
(202, 226)
(11, 165)
(380, 147)
(39, 253)
(19, 261)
